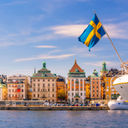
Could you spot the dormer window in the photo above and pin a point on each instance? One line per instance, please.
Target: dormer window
(76, 70)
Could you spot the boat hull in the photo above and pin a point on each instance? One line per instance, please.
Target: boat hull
(114, 105)
(123, 90)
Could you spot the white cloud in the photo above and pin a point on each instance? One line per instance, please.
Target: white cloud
(109, 64)
(63, 56)
(118, 31)
(45, 46)
(69, 30)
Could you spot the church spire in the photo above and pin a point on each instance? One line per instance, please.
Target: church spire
(75, 61)
(34, 70)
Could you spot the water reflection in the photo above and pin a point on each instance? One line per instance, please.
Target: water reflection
(63, 119)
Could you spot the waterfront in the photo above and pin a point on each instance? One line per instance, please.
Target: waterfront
(63, 119)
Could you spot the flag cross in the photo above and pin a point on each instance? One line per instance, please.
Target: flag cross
(96, 28)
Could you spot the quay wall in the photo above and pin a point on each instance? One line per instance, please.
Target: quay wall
(58, 108)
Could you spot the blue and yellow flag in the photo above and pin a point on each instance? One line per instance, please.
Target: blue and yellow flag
(93, 33)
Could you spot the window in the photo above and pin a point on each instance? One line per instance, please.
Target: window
(48, 84)
(52, 84)
(48, 89)
(38, 95)
(81, 94)
(43, 85)
(52, 95)
(38, 84)
(52, 79)
(38, 80)
(72, 94)
(48, 79)
(53, 89)
(77, 81)
(43, 79)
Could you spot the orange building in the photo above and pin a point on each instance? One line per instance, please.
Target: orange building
(95, 86)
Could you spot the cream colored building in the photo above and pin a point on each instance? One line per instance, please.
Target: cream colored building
(44, 85)
(76, 85)
(17, 87)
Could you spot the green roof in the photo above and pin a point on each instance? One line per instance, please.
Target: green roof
(95, 73)
(44, 72)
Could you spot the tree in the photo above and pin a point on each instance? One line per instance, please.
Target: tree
(61, 95)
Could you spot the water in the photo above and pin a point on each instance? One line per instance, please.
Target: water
(63, 119)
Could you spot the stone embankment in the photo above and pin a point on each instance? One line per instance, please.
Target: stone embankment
(57, 108)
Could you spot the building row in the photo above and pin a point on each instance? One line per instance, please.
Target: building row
(46, 86)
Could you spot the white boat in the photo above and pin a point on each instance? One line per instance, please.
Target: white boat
(121, 85)
(119, 104)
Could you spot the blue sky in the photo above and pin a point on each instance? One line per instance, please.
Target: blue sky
(32, 31)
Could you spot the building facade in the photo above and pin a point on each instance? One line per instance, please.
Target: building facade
(44, 85)
(3, 90)
(76, 85)
(61, 91)
(95, 83)
(104, 85)
(17, 87)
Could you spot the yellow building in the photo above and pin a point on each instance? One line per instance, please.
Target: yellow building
(3, 90)
(87, 84)
(107, 89)
(4, 93)
(29, 88)
(61, 93)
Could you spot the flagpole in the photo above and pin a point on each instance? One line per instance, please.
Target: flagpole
(111, 42)
(113, 45)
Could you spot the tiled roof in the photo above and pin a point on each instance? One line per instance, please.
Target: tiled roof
(76, 71)
(76, 68)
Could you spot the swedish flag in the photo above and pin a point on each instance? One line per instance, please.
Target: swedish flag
(93, 33)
